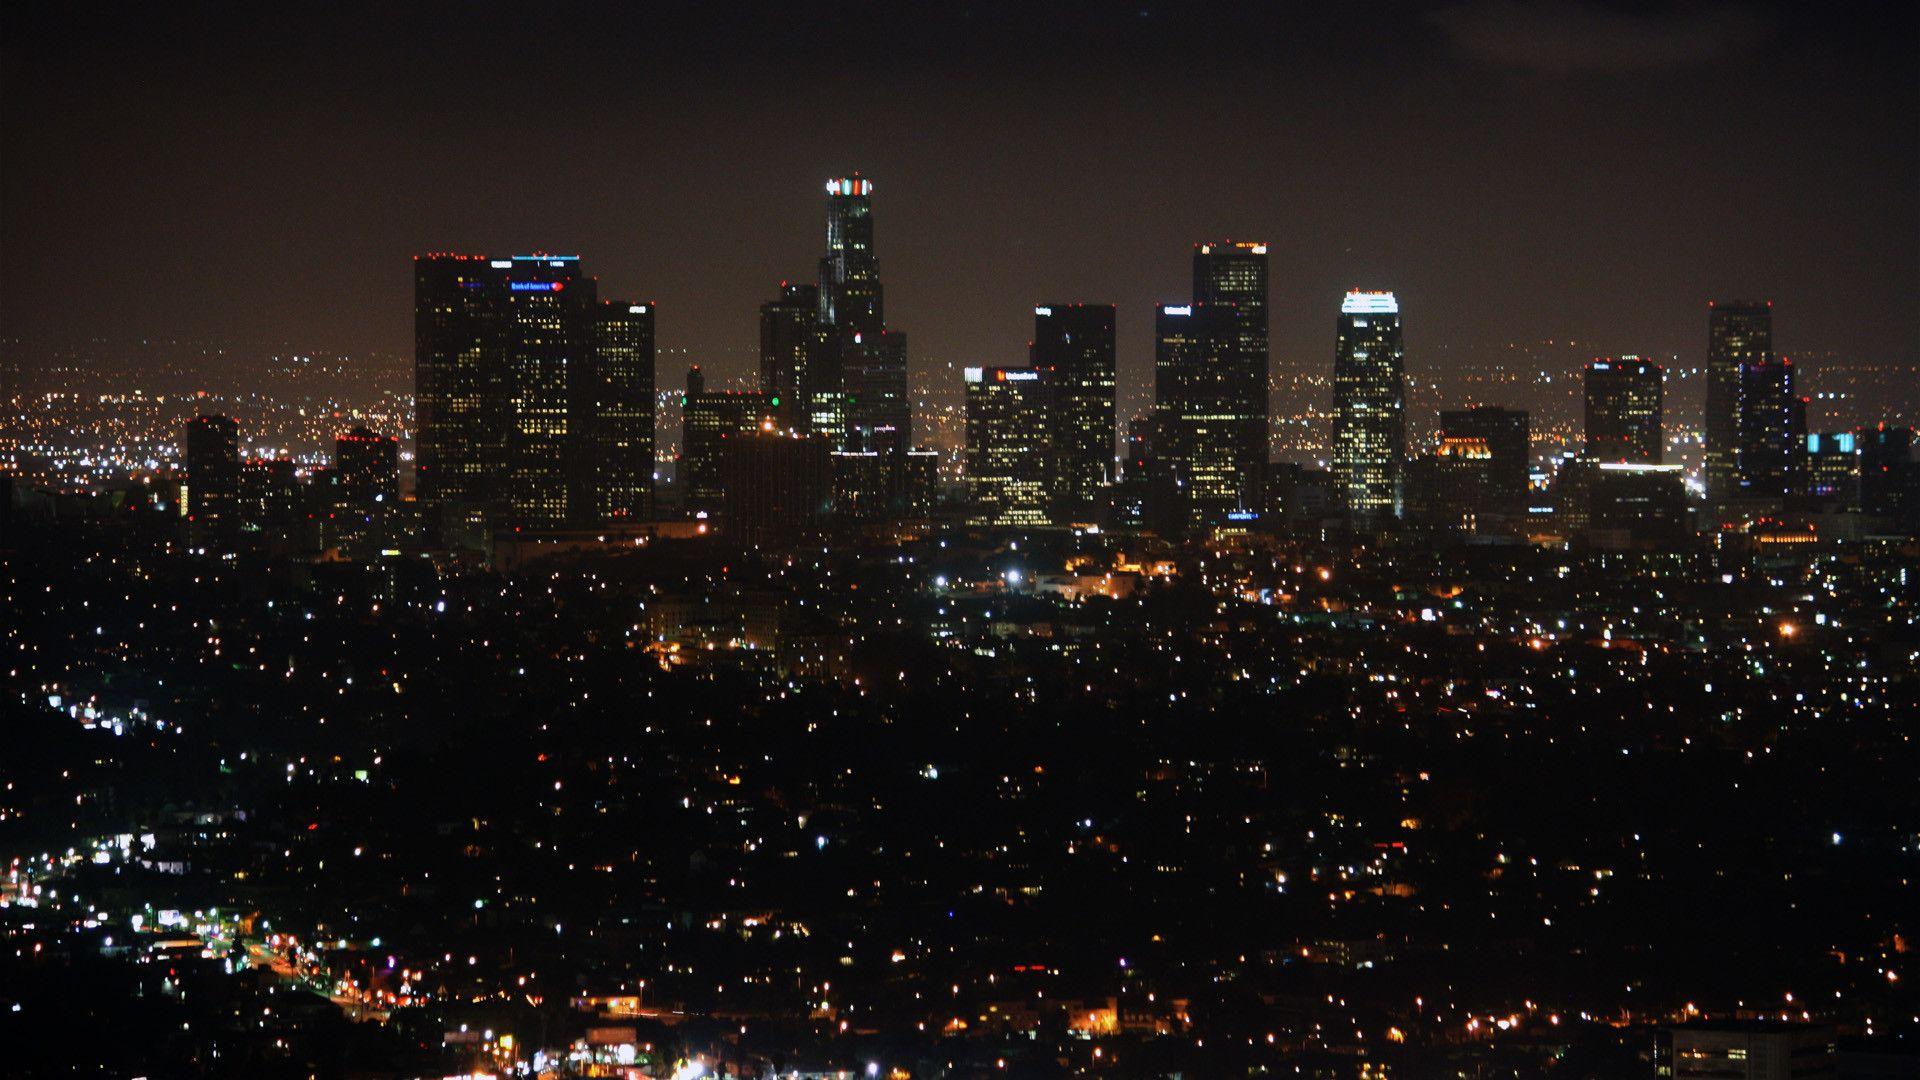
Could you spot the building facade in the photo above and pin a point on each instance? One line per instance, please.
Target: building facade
(1625, 410)
(1370, 410)
(1076, 343)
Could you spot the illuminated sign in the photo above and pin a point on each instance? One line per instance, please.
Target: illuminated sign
(550, 260)
(637, 309)
(536, 286)
(1183, 309)
(501, 264)
(1369, 303)
(1043, 311)
(1020, 376)
(850, 186)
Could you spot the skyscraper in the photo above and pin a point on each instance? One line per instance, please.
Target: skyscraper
(1507, 434)
(1771, 444)
(366, 492)
(1737, 333)
(213, 480)
(1199, 399)
(618, 470)
(1625, 397)
(850, 290)
(870, 359)
(707, 419)
(1234, 275)
(533, 399)
(1010, 416)
(794, 353)
(1076, 342)
(1369, 400)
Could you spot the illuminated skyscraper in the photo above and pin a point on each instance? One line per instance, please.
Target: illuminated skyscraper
(850, 292)
(795, 353)
(1770, 451)
(1737, 333)
(366, 491)
(870, 360)
(1199, 398)
(1076, 343)
(1369, 400)
(1234, 275)
(1010, 416)
(1625, 402)
(618, 470)
(708, 418)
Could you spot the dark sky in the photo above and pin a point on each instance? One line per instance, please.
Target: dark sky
(1515, 171)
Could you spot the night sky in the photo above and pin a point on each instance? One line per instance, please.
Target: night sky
(1514, 171)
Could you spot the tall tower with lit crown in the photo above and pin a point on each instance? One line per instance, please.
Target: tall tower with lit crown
(1370, 405)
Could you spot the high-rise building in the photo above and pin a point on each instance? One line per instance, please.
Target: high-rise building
(1199, 408)
(1507, 436)
(1076, 342)
(1369, 400)
(366, 491)
(873, 375)
(1234, 275)
(1010, 417)
(529, 392)
(213, 480)
(1625, 403)
(1738, 333)
(850, 293)
(1771, 445)
(618, 470)
(708, 419)
(794, 354)
(868, 359)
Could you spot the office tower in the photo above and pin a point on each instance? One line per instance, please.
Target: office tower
(1010, 417)
(869, 360)
(708, 419)
(1369, 400)
(873, 372)
(213, 480)
(1833, 469)
(550, 359)
(529, 393)
(850, 292)
(1738, 333)
(778, 486)
(1076, 342)
(618, 469)
(1625, 397)
(1234, 275)
(1506, 434)
(1769, 452)
(366, 491)
(794, 354)
(1198, 399)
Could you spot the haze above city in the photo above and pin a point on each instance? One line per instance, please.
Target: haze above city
(1513, 172)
